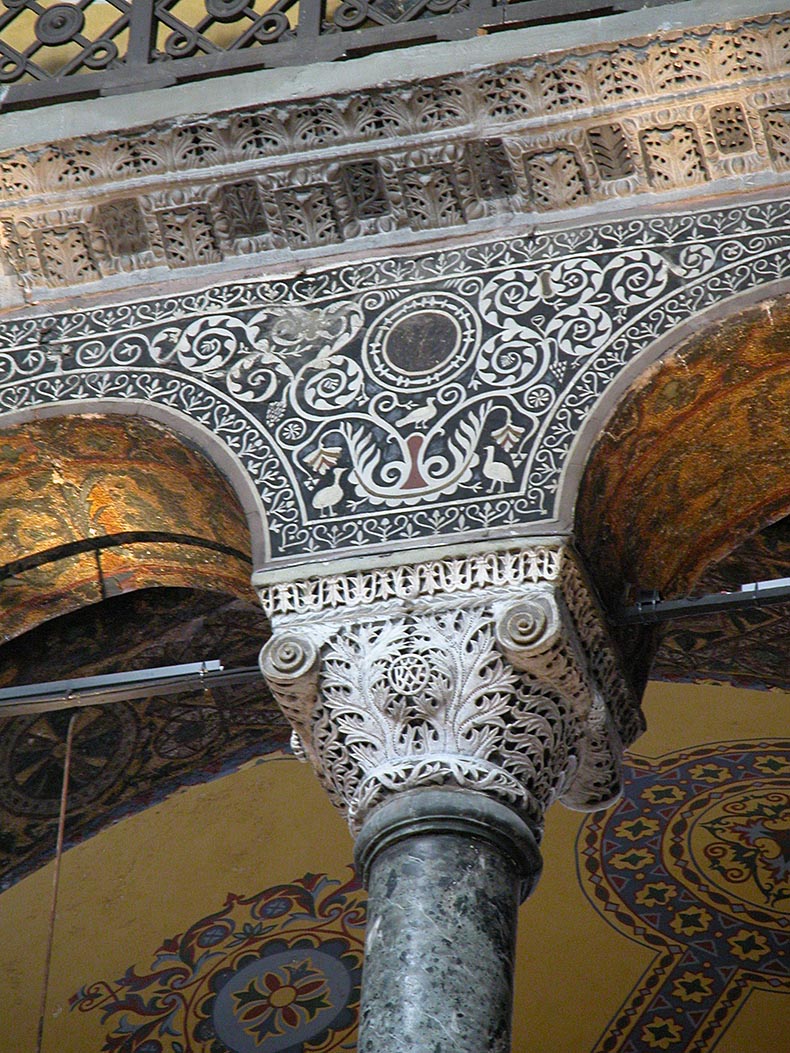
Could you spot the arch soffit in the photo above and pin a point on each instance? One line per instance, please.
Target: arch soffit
(637, 372)
(694, 458)
(188, 430)
(98, 503)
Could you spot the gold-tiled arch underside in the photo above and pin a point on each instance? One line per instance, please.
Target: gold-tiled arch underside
(94, 506)
(695, 459)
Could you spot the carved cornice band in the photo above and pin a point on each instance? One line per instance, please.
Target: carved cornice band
(491, 672)
(678, 112)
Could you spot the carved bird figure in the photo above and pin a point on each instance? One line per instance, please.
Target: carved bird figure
(496, 471)
(421, 415)
(413, 471)
(329, 496)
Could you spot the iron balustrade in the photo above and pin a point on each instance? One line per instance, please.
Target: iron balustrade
(88, 48)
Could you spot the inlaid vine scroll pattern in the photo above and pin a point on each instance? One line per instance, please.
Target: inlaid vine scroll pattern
(388, 401)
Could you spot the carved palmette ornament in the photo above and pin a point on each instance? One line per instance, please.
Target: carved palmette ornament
(672, 114)
(471, 671)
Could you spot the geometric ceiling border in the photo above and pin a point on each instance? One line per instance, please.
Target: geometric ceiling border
(690, 863)
(388, 401)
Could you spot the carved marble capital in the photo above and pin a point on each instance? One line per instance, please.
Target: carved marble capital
(490, 671)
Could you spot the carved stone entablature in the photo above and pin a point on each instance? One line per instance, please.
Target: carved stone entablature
(490, 670)
(683, 111)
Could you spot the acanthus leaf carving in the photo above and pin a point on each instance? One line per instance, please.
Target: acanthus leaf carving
(482, 685)
(700, 117)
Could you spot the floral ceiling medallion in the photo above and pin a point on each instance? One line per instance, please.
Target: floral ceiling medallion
(279, 972)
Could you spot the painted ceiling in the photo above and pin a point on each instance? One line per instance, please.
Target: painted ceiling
(122, 548)
(128, 755)
(227, 918)
(694, 461)
(747, 648)
(92, 507)
(687, 492)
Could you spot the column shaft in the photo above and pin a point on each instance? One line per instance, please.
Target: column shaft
(439, 951)
(445, 703)
(446, 871)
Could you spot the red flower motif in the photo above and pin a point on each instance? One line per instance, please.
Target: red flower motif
(286, 998)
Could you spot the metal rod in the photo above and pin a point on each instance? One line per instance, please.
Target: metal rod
(654, 609)
(197, 676)
(142, 23)
(121, 687)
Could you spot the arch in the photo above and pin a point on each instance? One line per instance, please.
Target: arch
(282, 371)
(639, 369)
(123, 545)
(96, 504)
(192, 434)
(694, 459)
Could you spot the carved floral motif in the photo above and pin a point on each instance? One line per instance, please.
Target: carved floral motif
(686, 109)
(479, 685)
(410, 397)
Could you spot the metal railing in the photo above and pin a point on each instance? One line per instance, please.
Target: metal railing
(51, 53)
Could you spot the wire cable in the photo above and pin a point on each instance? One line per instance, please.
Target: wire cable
(64, 796)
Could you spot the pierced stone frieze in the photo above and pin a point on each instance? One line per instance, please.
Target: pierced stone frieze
(188, 236)
(673, 113)
(243, 210)
(432, 197)
(435, 183)
(130, 236)
(125, 227)
(730, 128)
(17, 250)
(493, 179)
(364, 185)
(583, 127)
(673, 156)
(472, 671)
(610, 151)
(308, 216)
(65, 255)
(777, 127)
(556, 180)
(570, 81)
(58, 248)
(367, 200)
(239, 218)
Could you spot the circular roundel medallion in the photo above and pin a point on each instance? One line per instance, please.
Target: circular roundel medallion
(33, 751)
(285, 998)
(421, 341)
(733, 847)
(58, 24)
(408, 674)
